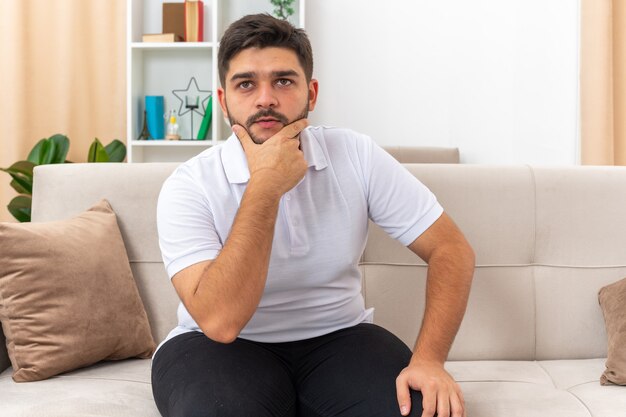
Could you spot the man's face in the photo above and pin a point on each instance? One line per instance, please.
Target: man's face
(265, 90)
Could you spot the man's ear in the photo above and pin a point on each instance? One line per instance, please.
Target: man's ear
(221, 96)
(313, 90)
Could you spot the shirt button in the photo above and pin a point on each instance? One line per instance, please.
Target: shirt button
(296, 223)
(287, 197)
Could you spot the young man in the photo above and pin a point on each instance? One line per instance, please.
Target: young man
(261, 237)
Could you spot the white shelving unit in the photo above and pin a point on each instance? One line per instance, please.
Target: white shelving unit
(160, 68)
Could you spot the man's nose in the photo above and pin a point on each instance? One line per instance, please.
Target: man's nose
(266, 97)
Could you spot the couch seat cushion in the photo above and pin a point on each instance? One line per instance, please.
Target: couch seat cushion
(560, 388)
(113, 388)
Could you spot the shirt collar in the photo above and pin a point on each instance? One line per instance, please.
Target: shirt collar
(236, 165)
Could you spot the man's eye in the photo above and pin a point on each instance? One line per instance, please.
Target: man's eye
(283, 82)
(245, 85)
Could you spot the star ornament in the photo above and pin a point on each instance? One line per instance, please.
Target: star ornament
(192, 95)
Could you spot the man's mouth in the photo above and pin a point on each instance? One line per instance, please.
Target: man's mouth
(267, 122)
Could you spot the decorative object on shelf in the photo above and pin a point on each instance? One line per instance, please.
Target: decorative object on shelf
(174, 19)
(206, 120)
(52, 150)
(171, 133)
(192, 103)
(194, 20)
(154, 109)
(193, 100)
(283, 8)
(145, 134)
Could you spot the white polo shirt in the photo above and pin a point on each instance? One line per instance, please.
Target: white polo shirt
(313, 285)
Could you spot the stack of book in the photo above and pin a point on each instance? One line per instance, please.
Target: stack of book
(182, 22)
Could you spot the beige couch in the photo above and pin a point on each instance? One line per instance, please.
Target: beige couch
(532, 343)
(424, 155)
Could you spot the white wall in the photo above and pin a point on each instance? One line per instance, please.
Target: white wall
(496, 78)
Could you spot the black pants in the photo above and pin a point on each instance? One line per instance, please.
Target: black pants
(348, 373)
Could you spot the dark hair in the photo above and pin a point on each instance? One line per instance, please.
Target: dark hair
(262, 31)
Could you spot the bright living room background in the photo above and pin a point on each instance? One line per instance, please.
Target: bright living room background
(506, 82)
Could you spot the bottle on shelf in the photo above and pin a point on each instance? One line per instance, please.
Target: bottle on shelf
(172, 127)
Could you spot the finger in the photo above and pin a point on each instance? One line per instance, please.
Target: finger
(443, 404)
(243, 136)
(293, 129)
(456, 405)
(429, 402)
(462, 401)
(404, 395)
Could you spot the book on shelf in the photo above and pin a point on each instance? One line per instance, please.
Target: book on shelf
(174, 19)
(206, 120)
(194, 20)
(161, 37)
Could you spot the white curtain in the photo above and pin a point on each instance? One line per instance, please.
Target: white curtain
(603, 82)
(63, 71)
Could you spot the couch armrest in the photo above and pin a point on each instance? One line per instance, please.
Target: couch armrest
(4, 356)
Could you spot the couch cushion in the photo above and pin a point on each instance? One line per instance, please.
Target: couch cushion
(567, 374)
(67, 295)
(562, 388)
(579, 212)
(482, 201)
(602, 401)
(519, 399)
(569, 319)
(567, 388)
(580, 378)
(501, 328)
(120, 389)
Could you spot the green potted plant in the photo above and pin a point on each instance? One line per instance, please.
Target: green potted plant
(52, 150)
(283, 8)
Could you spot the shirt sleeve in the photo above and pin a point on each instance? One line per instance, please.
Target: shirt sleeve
(397, 201)
(187, 233)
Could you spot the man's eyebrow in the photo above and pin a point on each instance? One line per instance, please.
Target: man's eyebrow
(285, 73)
(240, 75)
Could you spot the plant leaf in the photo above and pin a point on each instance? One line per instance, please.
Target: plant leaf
(23, 183)
(62, 146)
(20, 207)
(22, 174)
(20, 167)
(35, 154)
(17, 187)
(116, 151)
(97, 153)
(48, 153)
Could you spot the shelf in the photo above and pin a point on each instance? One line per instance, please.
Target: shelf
(161, 142)
(161, 68)
(172, 45)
